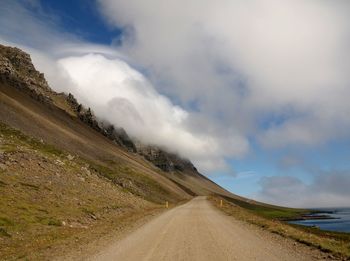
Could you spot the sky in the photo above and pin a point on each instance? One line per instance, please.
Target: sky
(255, 93)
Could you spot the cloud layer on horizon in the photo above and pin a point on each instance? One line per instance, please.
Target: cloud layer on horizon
(330, 188)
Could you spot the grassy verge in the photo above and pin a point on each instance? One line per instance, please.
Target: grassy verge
(267, 217)
(269, 211)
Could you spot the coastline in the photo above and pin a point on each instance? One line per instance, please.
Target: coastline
(335, 220)
(310, 217)
(335, 244)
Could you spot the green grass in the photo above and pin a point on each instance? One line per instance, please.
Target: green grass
(4, 233)
(21, 139)
(133, 181)
(268, 211)
(88, 211)
(54, 222)
(5, 221)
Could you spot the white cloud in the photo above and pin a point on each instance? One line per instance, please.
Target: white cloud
(242, 61)
(124, 97)
(100, 77)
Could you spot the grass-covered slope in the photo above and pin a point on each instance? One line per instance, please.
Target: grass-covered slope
(50, 197)
(266, 210)
(62, 181)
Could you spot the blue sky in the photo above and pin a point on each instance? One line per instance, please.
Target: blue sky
(258, 106)
(303, 164)
(79, 17)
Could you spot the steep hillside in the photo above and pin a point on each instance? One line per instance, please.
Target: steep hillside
(51, 198)
(64, 173)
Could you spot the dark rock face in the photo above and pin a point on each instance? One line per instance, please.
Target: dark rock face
(118, 135)
(89, 118)
(164, 160)
(17, 70)
(72, 101)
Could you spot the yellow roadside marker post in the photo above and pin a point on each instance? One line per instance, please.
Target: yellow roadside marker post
(221, 203)
(167, 204)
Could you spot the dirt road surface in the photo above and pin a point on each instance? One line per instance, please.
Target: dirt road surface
(198, 231)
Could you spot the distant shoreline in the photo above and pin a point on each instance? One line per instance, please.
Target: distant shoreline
(313, 215)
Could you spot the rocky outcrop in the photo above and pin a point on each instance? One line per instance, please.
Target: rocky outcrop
(73, 103)
(117, 135)
(17, 70)
(88, 117)
(164, 160)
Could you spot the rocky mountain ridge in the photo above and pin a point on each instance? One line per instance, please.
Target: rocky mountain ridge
(17, 70)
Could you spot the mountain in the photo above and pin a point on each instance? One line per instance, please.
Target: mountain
(67, 177)
(65, 173)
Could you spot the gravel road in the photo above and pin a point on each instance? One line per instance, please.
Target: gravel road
(198, 231)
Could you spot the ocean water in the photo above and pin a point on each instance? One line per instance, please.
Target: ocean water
(340, 224)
